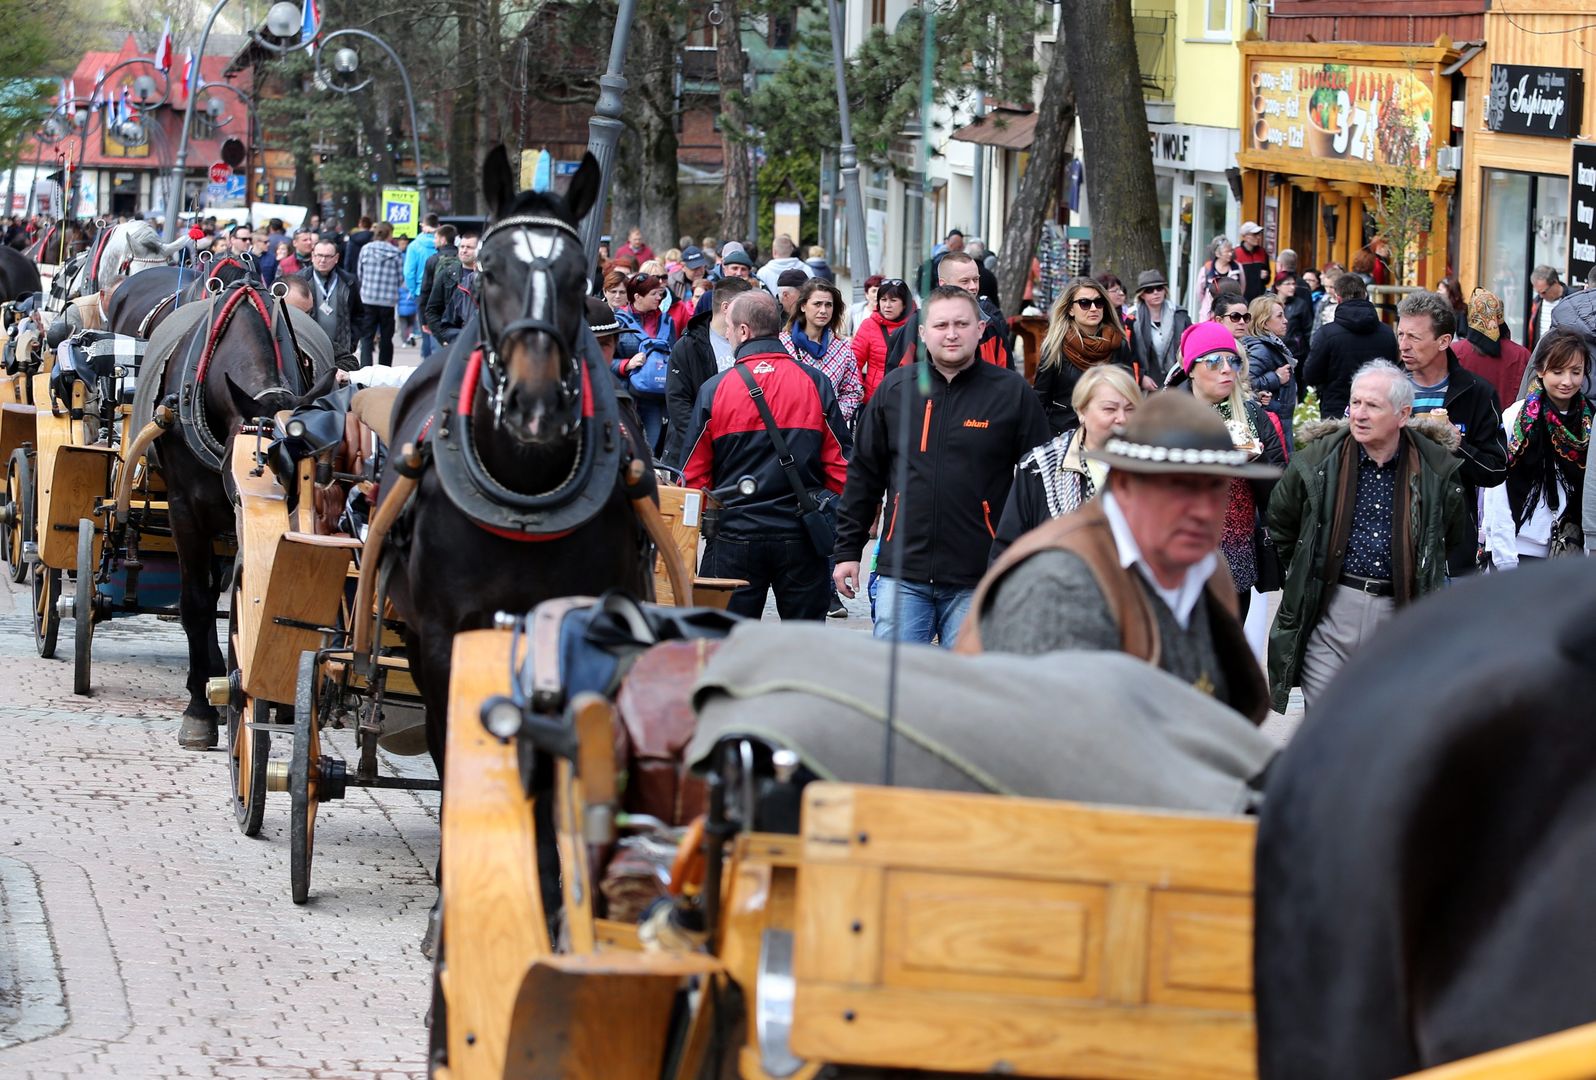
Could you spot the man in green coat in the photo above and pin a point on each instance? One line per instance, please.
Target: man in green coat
(1362, 521)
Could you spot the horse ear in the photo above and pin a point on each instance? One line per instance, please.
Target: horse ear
(584, 190)
(498, 181)
(244, 403)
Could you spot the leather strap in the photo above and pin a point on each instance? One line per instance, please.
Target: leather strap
(784, 458)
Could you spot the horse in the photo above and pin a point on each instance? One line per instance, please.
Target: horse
(242, 361)
(520, 422)
(145, 299)
(19, 275)
(1427, 842)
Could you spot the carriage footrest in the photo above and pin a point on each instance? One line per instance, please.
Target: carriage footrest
(333, 779)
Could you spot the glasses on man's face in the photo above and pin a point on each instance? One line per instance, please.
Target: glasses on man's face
(1089, 302)
(326, 255)
(1216, 361)
(245, 239)
(1235, 316)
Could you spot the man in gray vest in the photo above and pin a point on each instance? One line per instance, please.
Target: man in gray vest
(337, 301)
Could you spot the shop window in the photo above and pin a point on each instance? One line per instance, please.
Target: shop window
(1215, 19)
(1525, 225)
(780, 29)
(878, 12)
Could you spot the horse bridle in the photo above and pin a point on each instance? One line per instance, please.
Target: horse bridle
(542, 295)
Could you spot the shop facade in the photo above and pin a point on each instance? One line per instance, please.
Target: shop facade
(1328, 130)
(1528, 101)
(1195, 200)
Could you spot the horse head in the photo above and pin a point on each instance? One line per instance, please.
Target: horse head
(246, 364)
(531, 292)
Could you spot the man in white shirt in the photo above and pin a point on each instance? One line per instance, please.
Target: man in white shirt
(783, 257)
(1137, 569)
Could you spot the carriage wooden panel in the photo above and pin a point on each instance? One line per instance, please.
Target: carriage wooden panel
(71, 479)
(17, 426)
(976, 933)
(682, 508)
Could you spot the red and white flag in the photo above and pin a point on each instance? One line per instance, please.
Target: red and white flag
(188, 73)
(163, 48)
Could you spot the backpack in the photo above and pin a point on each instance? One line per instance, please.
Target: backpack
(461, 305)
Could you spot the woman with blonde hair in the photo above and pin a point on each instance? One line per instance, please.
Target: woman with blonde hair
(1270, 364)
(1056, 477)
(1084, 331)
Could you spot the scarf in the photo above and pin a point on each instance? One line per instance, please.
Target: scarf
(816, 349)
(1241, 515)
(1482, 344)
(1545, 453)
(1087, 352)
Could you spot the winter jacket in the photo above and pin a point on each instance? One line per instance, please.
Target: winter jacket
(352, 246)
(1311, 537)
(771, 271)
(1504, 539)
(1207, 280)
(445, 279)
(995, 347)
(1355, 337)
(1502, 362)
(444, 257)
(453, 302)
(870, 350)
(1055, 385)
(1256, 276)
(1265, 356)
(692, 365)
(727, 440)
(635, 339)
(838, 365)
(820, 268)
(348, 311)
(964, 443)
(1157, 367)
(1299, 323)
(1050, 480)
(422, 248)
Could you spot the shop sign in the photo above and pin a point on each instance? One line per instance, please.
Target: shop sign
(1534, 100)
(1582, 211)
(1378, 114)
(1192, 147)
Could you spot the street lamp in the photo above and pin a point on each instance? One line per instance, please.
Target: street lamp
(848, 162)
(283, 20)
(346, 61)
(604, 129)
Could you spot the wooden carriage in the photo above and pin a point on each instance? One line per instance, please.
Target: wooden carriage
(897, 929)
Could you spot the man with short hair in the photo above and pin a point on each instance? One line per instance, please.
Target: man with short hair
(978, 422)
(298, 261)
(704, 350)
(1351, 339)
(452, 302)
(337, 298)
(1342, 520)
(1253, 260)
(1138, 569)
(787, 286)
(959, 270)
(784, 257)
(382, 271)
(447, 254)
(1549, 290)
(299, 294)
(241, 240)
(952, 244)
(635, 247)
(422, 247)
(357, 240)
(1425, 326)
(759, 537)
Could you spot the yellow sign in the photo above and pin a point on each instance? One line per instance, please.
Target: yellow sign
(400, 208)
(1378, 115)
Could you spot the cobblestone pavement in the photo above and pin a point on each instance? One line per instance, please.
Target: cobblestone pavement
(141, 935)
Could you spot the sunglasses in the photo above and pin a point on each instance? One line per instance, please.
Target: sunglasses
(1235, 316)
(1215, 361)
(896, 282)
(1089, 302)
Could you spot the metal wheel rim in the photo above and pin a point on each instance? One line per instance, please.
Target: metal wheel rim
(83, 611)
(19, 475)
(301, 779)
(46, 620)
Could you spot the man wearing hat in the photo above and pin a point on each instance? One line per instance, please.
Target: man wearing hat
(1138, 569)
(680, 282)
(1253, 260)
(734, 261)
(1487, 348)
(1155, 342)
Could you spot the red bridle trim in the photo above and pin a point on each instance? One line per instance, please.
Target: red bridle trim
(468, 383)
(525, 538)
(223, 317)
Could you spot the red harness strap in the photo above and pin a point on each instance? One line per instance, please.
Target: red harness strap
(225, 316)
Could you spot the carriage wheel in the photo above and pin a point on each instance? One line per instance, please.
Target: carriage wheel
(304, 778)
(248, 742)
(46, 619)
(17, 521)
(83, 610)
(438, 1016)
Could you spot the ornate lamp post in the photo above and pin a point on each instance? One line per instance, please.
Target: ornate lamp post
(604, 130)
(283, 21)
(848, 161)
(346, 62)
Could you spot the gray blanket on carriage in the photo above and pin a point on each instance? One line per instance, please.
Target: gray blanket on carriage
(176, 326)
(1085, 726)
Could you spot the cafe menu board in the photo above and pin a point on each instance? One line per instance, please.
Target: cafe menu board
(1582, 212)
(1380, 115)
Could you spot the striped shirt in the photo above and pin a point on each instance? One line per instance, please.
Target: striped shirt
(1426, 398)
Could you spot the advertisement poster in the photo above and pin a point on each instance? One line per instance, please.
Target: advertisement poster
(1582, 211)
(400, 207)
(1381, 115)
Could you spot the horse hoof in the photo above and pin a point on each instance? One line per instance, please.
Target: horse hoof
(197, 734)
(429, 940)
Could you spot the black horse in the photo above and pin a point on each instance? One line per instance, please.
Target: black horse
(1427, 847)
(522, 426)
(145, 299)
(242, 365)
(19, 275)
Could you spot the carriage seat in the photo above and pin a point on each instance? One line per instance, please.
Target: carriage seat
(373, 406)
(654, 725)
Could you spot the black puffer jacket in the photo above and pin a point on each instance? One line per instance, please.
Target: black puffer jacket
(1355, 337)
(1158, 367)
(692, 365)
(1265, 356)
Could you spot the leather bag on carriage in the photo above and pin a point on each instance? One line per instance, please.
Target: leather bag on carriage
(1098, 727)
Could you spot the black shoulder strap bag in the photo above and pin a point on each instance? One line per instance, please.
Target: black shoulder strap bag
(814, 516)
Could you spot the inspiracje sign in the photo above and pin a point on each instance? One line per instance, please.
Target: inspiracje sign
(1534, 100)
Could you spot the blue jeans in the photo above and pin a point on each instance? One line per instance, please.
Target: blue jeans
(427, 344)
(930, 612)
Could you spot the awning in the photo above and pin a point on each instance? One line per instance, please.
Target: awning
(1004, 128)
(1467, 51)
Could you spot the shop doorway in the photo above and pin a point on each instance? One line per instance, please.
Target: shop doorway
(1525, 225)
(1305, 229)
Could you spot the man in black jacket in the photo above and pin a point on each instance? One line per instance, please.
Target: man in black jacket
(446, 254)
(1355, 337)
(957, 268)
(1425, 325)
(698, 355)
(964, 441)
(357, 240)
(451, 303)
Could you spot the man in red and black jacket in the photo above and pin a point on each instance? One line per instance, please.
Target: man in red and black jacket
(1256, 274)
(964, 441)
(759, 537)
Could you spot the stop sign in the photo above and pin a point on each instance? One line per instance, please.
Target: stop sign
(220, 172)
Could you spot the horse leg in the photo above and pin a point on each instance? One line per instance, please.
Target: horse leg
(197, 612)
(430, 675)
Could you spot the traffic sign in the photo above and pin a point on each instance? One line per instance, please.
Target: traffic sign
(235, 187)
(219, 172)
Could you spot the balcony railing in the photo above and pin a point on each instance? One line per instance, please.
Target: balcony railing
(1155, 49)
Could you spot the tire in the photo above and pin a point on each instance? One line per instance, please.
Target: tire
(83, 611)
(19, 482)
(438, 1027)
(247, 747)
(303, 771)
(46, 620)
